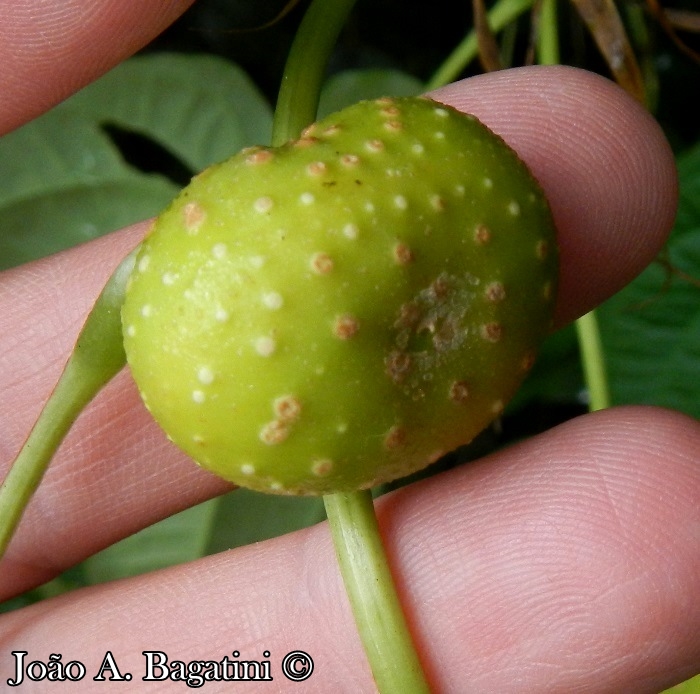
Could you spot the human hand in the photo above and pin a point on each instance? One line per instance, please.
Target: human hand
(566, 563)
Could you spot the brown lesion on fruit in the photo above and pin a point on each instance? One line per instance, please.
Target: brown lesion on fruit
(398, 366)
(258, 155)
(428, 329)
(528, 360)
(438, 203)
(349, 160)
(275, 432)
(491, 332)
(345, 327)
(316, 168)
(322, 467)
(403, 255)
(306, 141)
(495, 292)
(393, 126)
(482, 234)
(375, 145)
(287, 408)
(459, 392)
(193, 215)
(321, 263)
(395, 438)
(542, 249)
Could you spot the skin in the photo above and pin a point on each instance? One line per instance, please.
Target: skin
(567, 563)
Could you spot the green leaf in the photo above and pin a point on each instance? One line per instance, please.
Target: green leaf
(351, 86)
(244, 517)
(175, 540)
(64, 180)
(201, 108)
(651, 329)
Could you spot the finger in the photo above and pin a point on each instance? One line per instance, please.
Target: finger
(50, 49)
(567, 564)
(115, 446)
(604, 163)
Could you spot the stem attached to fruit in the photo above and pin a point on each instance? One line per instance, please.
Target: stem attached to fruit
(370, 587)
(297, 102)
(98, 355)
(375, 604)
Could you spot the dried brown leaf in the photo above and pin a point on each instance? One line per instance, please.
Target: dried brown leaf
(603, 21)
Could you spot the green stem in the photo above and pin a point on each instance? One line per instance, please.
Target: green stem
(548, 34)
(314, 42)
(97, 356)
(593, 361)
(370, 586)
(500, 15)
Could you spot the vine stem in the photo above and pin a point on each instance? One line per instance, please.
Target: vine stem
(354, 529)
(499, 16)
(97, 356)
(372, 594)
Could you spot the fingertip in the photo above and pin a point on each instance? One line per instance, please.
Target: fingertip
(603, 161)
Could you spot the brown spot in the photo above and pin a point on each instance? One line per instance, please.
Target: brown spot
(492, 331)
(374, 145)
(309, 130)
(390, 111)
(393, 126)
(259, 156)
(528, 361)
(395, 438)
(482, 234)
(332, 130)
(274, 433)
(440, 289)
(287, 408)
(403, 254)
(495, 292)
(345, 327)
(304, 142)
(547, 291)
(398, 364)
(459, 392)
(542, 249)
(350, 159)
(316, 168)
(321, 263)
(437, 203)
(193, 214)
(322, 467)
(409, 315)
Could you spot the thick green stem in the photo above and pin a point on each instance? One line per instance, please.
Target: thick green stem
(500, 15)
(98, 355)
(370, 586)
(314, 42)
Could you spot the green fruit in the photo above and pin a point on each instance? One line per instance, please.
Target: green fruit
(342, 310)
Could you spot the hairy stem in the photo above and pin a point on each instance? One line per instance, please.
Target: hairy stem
(97, 356)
